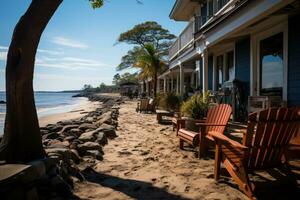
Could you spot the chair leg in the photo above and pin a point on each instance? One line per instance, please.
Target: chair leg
(217, 162)
(180, 143)
(202, 146)
(240, 176)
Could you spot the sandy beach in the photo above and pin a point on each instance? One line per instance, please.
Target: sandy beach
(144, 162)
(82, 109)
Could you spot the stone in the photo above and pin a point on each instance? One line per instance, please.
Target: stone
(68, 127)
(69, 138)
(101, 138)
(51, 136)
(108, 130)
(104, 119)
(54, 127)
(89, 119)
(58, 144)
(86, 126)
(75, 131)
(63, 154)
(88, 146)
(88, 136)
(95, 154)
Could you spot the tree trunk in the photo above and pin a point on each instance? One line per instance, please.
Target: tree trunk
(155, 85)
(22, 140)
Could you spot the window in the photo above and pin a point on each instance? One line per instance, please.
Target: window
(271, 65)
(229, 73)
(210, 8)
(219, 74)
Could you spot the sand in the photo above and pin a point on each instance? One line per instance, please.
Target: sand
(145, 162)
(79, 111)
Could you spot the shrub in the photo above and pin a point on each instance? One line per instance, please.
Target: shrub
(170, 101)
(196, 107)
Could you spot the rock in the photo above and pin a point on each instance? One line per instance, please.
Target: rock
(69, 138)
(88, 136)
(101, 138)
(58, 144)
(62, 154)
(51, 136)
(89, 119)
(68, 127)
(54, 127)
(76, 131)
(86, 126)
(89, 146)
(108, 130)
(44, 131)
(104, 119)
(95, 154)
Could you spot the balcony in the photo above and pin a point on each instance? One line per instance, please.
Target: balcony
(184, 41)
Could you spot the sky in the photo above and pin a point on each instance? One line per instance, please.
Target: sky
(78, 45)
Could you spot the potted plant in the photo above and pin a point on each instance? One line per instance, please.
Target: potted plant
(195, 108)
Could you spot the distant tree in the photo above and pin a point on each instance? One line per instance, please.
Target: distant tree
(126, 77)
(150, 52)
(116, 79)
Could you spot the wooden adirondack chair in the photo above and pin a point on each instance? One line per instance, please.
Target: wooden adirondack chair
(142, 105)
(217, 119)
(264, 145)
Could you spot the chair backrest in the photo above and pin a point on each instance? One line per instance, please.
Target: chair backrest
(144, 104)
(219, 114)
(268, 134)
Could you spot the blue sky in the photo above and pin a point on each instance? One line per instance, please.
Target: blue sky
(78, 45)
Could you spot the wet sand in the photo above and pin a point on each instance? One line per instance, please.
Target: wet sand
(79, 111)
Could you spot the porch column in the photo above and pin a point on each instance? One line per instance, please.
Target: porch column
(215, 74)
(172, 83)
(165, 85)
(192, 79)
(205, 70)
(177, 83)
(181, 80)
(147, 87)
(158, 85)
(142, 87)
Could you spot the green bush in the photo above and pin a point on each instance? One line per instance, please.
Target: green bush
(170, 101)
(196, 107)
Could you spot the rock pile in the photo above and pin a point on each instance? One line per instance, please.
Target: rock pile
(77, 144)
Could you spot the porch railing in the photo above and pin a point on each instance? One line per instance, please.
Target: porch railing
(184, 39)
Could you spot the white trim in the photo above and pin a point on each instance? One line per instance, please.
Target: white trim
(255, 50)
(218, 51)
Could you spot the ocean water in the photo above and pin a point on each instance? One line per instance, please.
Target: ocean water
(47, 103)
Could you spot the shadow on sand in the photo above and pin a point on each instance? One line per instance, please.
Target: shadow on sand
(136, 189)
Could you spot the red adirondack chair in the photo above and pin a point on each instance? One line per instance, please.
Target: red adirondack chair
(217, 119)
(264, 145)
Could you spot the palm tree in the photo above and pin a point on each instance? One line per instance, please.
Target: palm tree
(150, 62)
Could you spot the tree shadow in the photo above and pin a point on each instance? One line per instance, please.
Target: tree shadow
(136, 189)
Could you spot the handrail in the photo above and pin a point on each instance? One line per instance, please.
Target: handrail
(183, 40)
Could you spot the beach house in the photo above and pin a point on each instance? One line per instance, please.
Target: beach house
(254, 43)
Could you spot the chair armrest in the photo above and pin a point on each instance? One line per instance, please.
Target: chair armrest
(210, 124)
(220, 138)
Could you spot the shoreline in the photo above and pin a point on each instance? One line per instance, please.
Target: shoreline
(78, 111)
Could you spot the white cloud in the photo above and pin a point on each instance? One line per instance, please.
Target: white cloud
(50, 52)
(70, 63)
(3, 48)
(3, 55)
(69, 43)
